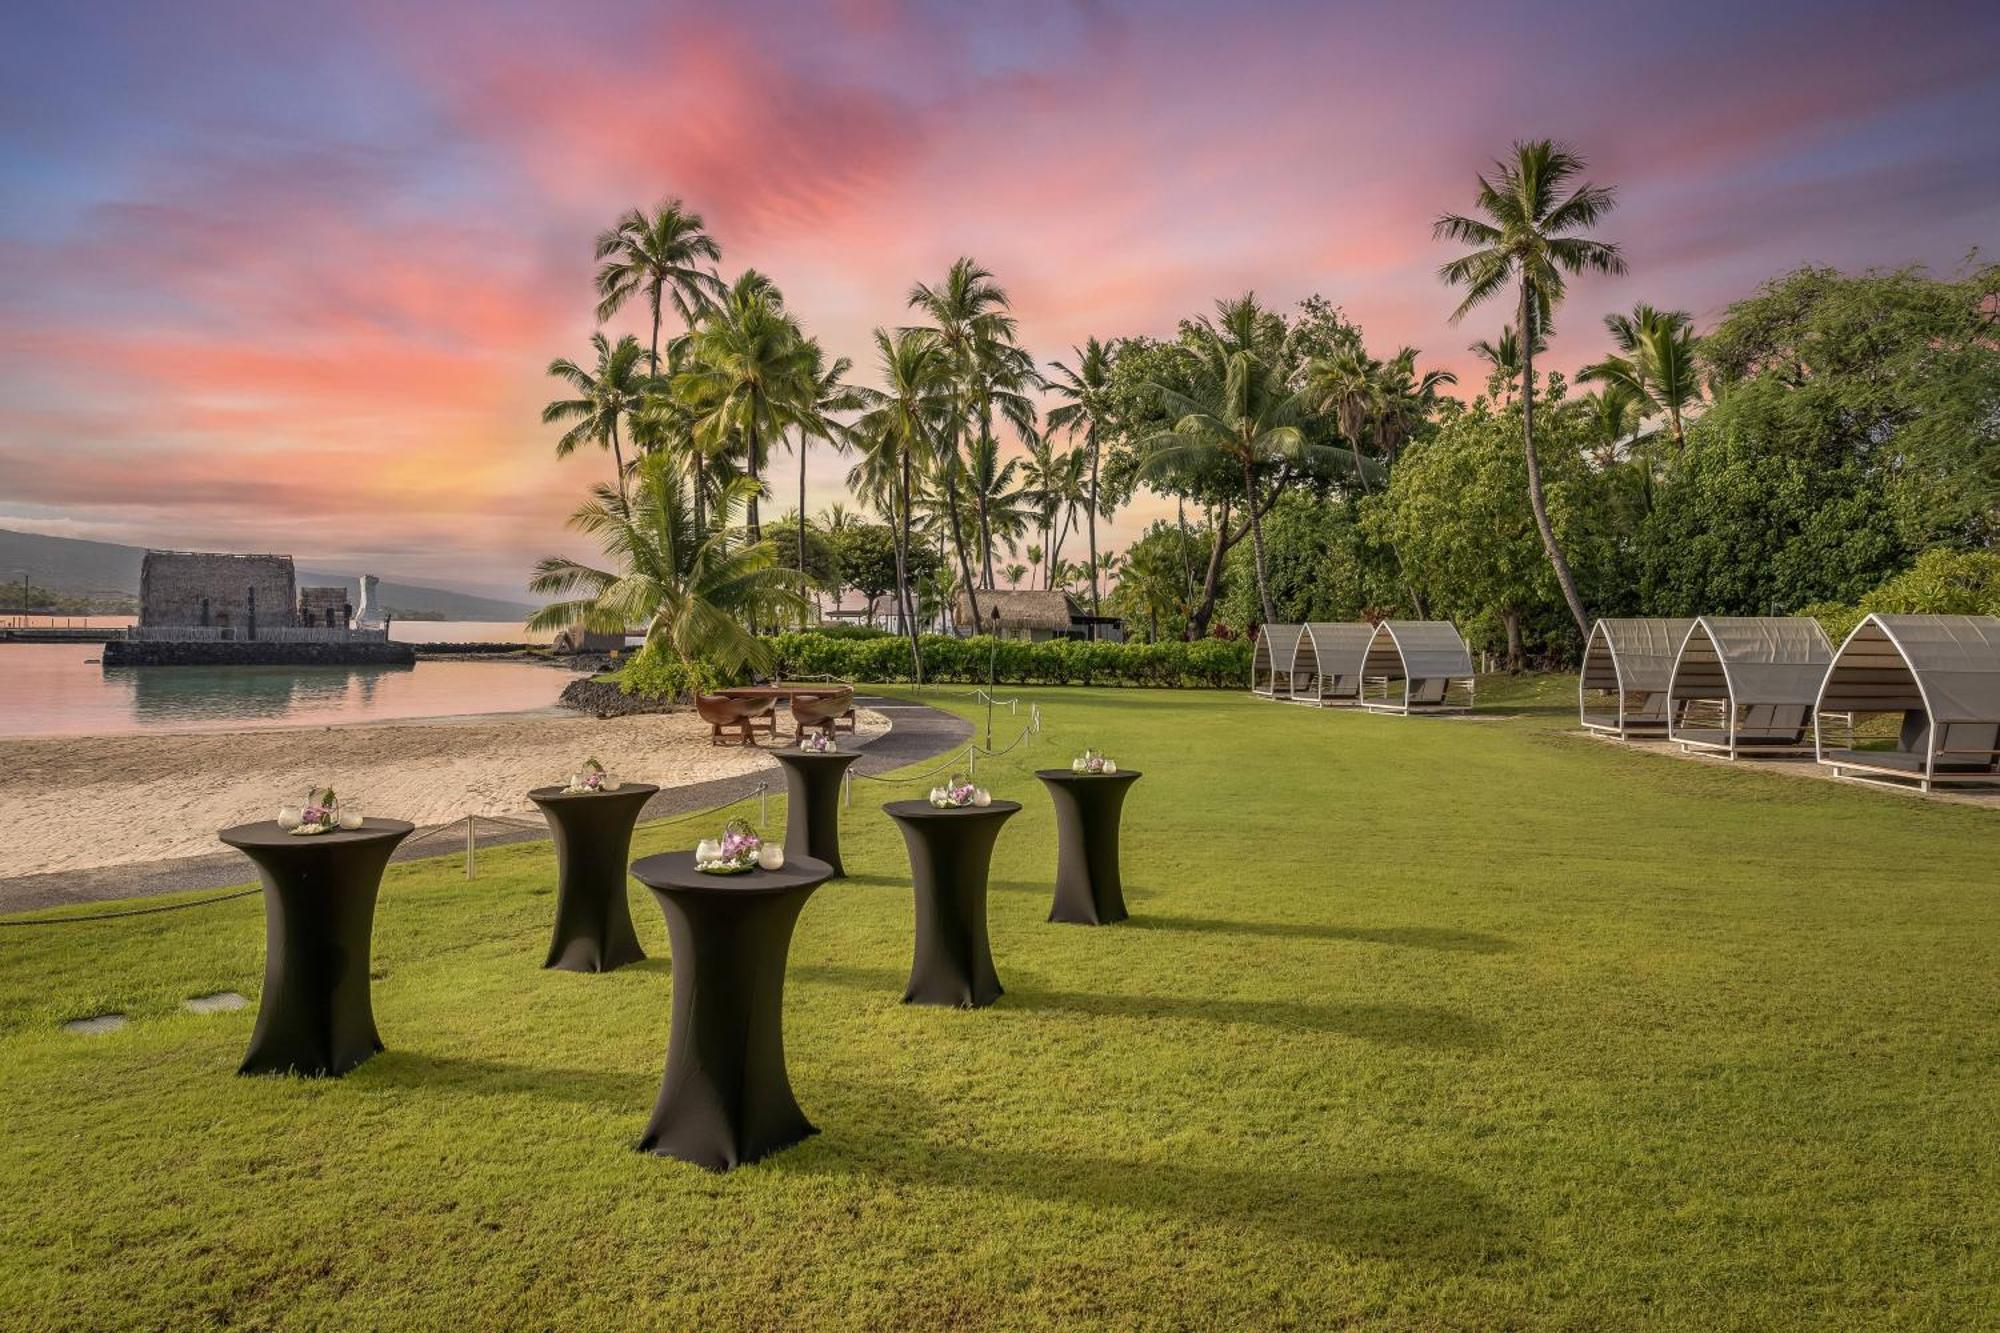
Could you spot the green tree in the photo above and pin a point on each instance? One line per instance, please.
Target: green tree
(1504, 361)
(1527, 236)
(1085, 407)
(693, 589)
(1655, 364)
(661, 255)
(747, 378)
(604, 399)
(897, 435)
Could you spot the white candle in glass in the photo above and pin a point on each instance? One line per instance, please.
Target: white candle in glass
(290, 816)
(350, 819)
(1110, 767)
(771, 856)
(982, 797)
(708, 849)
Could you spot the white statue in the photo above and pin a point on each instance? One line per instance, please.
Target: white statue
(369, 614)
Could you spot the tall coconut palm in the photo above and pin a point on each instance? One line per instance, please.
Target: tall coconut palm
(897, 434)
(1349, 385)
(1614, 412)
(748, 360)
(1408, 399)
(1655, 363)
(823, 391)
(1086, 410)
(692, 587)
(659, 254)
(1503, 358)
(605, 399)
(969, 316)
(1528, 235)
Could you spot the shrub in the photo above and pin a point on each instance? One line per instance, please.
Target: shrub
(655, 674)
(1207, 664)
(1941, 583)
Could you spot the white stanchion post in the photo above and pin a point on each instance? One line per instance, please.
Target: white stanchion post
(471, 846)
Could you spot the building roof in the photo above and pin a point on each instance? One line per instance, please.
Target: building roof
(1020, 608)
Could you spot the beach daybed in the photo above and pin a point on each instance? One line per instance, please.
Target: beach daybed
(1626, 668)
(1940, 674)
(1272, 660)
(1429, 661)
(1746, 684)
(1326, 668)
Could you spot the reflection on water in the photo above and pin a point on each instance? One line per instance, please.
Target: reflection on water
(55, 690)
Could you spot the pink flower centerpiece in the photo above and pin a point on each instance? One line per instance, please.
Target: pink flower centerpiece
(959, 793)
(737, 852)
(321, 813)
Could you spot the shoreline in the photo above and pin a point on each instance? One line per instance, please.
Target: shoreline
(88, 803)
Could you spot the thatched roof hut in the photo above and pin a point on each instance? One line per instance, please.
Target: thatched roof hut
(1023, 612)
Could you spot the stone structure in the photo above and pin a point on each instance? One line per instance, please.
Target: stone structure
(262, 652)
(325, 608)
(369, 614)
(235, 593)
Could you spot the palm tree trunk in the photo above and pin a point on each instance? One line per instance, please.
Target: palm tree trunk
(656, 326)
(958, 545)
(618, 460)
(905, 594)
(1091, 515)
(750, 461)
(1197, 626)
(1535, 498)
(1257, 541)
(1187, 557)
(985, 527)
(802, 505)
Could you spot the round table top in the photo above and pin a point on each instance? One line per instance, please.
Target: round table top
(794, 754)
(622, 789)
(266, 833)
(1071, 775)
(675, 870)
(925, 810)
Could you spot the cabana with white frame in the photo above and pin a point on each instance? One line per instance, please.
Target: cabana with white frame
(1273, 659)
(1941, 674)
(1327, 667)
(1747, 684)
(1427, 658)
(1626, 668)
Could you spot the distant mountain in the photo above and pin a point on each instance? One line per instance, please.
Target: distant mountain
(68, 564)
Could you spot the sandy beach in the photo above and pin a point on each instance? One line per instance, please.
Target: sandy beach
(72, 802)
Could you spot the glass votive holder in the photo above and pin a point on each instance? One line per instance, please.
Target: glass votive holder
(771, 856)
(290, 816)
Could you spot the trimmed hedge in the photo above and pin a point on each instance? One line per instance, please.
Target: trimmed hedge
(1222, 664)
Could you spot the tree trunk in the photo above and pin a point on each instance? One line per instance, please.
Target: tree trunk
(618, 461)
(802, 506)
(985, 527)
(1187, 556)
(958, 546)
(1257, 541)
(1197, 626)
(750, 466)
(1535, 497)
(1090, 436)
(906, 596)
(1511, 618)
(655, 346)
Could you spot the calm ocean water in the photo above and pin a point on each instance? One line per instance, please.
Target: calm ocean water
(54, 690)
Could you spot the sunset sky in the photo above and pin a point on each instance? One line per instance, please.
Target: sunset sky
(285, 276)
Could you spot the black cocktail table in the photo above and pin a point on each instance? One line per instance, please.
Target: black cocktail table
(950, 852)
(315, 1016)
(1089, 891)
(812, 803)
(593, 837)
(726, 1099)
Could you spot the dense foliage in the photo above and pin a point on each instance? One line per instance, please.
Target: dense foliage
(1213, 663)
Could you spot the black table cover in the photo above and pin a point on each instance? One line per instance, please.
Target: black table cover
(593, 837)
(1089, 891)
(812, 803)
(726, 1099)
(950, 852)
(315, 1016)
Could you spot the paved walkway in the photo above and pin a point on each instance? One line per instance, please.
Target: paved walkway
(918, 732)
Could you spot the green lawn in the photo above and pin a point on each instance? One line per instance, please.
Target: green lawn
(1417, 1023)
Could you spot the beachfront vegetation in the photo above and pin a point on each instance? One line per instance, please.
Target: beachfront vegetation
(1819, 439)
(1564, 1035)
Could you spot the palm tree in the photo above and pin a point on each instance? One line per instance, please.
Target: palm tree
(1349, 385)
(1014, 573)
(1408, 399)
(823, 390)
(693, 588)
(1504, 358)
(748, 360)
(659, 254)
(898, 435)
(1086, 410)
(1656, 364)
(604, 399)
(1528, 236)
(1615, 412)
(970, 319)
(1240, 410)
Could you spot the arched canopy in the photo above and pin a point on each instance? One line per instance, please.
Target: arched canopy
(1277, 648)
(1632, 661)
(1746, 680)
(1942, 673)
(1330, 656)
(1427, 656)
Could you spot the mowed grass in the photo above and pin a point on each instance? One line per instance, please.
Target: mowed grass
(1417, 1023)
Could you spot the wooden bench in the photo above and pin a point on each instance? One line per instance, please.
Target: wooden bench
(722, 713)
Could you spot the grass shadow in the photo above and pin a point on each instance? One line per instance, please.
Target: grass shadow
(1399, 1214)
(1427, 1026)
(1409, 937)
(431, 1072)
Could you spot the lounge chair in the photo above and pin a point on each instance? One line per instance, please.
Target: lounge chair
(722, 713)
(821, 712)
